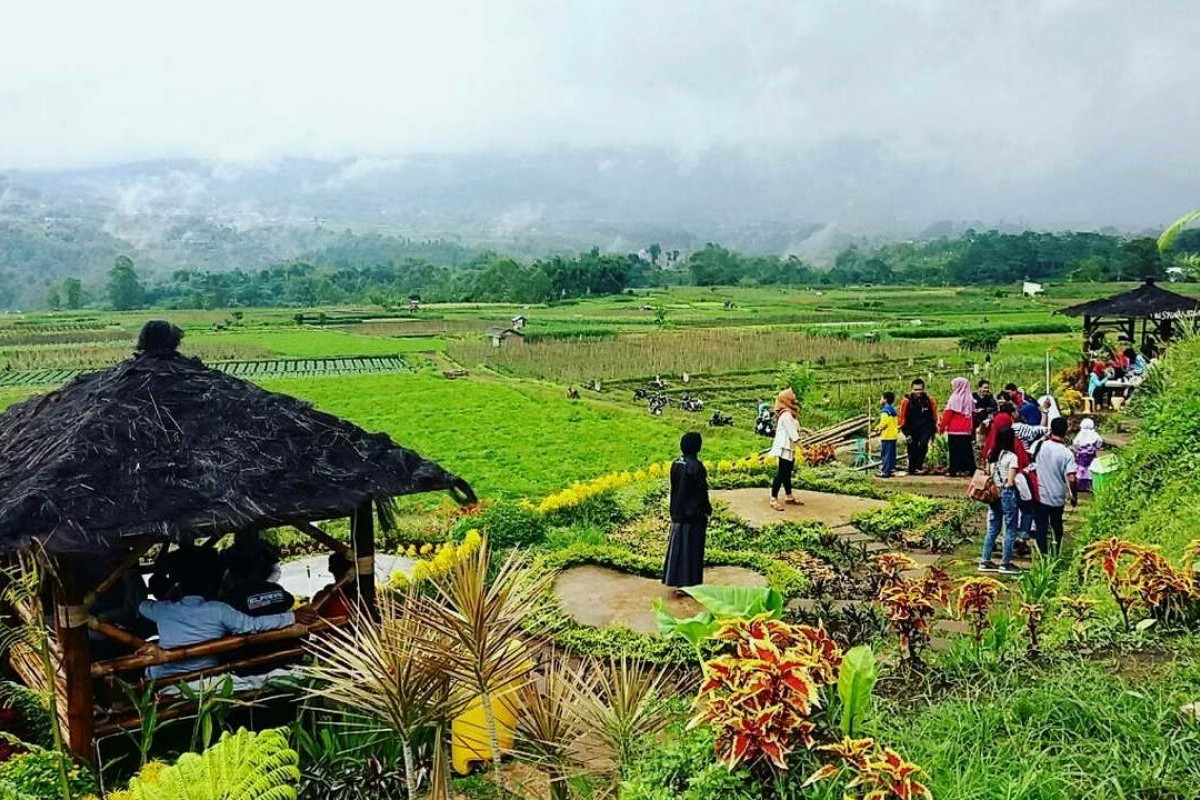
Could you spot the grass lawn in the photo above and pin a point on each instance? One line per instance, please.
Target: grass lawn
(508, 438)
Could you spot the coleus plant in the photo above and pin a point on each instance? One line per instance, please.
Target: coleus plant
(976, 597)
(1079, 610)
(1110, 557)
(759, 699)
(910, 604)
(1137, 573)
(875, 772)
(1164, 589)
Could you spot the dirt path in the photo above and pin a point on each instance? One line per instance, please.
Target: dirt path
(835, 510)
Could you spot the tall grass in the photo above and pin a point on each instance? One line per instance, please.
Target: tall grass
(1072, 734)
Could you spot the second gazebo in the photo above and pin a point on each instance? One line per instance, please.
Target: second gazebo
(1147, 317)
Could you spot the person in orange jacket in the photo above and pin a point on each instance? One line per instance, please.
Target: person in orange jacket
(918, 422)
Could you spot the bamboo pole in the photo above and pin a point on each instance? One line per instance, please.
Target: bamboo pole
(362, 533)
(214, 647)
(131, 561)
(224, 669)
(117, 634)
(71, 626)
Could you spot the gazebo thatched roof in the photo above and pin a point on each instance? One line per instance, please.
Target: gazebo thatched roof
(1148, 301)
(161, 445)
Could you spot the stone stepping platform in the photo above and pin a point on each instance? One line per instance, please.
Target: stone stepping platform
(834, 510)
(605, 598)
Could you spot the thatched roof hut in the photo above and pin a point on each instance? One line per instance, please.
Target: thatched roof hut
(165, 447)
(1148, 301)
(159, 450)
(1159, 311)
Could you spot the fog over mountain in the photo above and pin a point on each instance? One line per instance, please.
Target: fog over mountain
(539, 126)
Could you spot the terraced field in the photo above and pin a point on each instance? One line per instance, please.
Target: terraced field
(271, 368)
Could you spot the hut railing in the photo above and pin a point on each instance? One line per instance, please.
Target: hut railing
(150, 655)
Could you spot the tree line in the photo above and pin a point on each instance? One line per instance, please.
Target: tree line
(974, 258)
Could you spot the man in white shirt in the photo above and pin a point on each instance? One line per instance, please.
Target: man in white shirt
(1056, 485)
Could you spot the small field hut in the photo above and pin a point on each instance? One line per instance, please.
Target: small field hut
(160, 452)
(1145, 317)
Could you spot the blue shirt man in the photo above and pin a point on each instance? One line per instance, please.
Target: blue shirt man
(193, 620)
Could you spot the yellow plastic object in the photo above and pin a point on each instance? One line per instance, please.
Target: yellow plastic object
(469, 735)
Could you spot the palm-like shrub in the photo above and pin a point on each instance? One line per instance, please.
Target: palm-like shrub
(386, 674)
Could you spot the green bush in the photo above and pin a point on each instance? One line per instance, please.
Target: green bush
(730, 532)
(1155, 497)
(35, 776)
(32, 711)
(684, 767)
(507, 524)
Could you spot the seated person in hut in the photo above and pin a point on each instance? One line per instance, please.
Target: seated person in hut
(194, 619)
(250, 567)
(334, 601)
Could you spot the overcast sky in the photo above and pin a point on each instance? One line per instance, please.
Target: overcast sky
(989, 94)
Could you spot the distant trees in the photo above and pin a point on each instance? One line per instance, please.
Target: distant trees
(124, 289)
(988, 257)
(72, 293)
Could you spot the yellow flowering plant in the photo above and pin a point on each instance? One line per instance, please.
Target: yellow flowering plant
(435, 561)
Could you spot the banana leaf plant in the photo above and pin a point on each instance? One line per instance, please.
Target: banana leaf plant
(721, 603)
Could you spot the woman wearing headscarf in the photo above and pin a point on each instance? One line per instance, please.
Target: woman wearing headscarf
(958, 423)
(1096, 382)
(787, 441)
(1004, 418)
(1087, 446)
(690, 510)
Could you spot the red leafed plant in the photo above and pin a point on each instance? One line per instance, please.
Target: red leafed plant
(910, 604)
(1032, 614)
(1110, 557)
(1163, 589)
(1079, 610)
(976, 597)
(875, 772)
(819, 454)
(759, 698)
(890, 568)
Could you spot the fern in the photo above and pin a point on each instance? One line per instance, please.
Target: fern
(241, 766)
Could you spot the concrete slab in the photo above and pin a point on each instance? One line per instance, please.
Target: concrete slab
(306, 576)
(834, 510)
(606, 598)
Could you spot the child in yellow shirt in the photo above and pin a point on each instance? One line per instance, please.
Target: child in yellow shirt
(889, 431)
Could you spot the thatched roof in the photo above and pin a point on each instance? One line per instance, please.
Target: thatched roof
(164, 446)
(1148, 301)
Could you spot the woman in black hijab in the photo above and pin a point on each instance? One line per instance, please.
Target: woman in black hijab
(690, 511)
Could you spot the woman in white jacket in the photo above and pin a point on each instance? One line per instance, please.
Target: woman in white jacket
(787, 442)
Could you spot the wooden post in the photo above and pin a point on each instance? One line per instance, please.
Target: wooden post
(362, 535)
(70, 621)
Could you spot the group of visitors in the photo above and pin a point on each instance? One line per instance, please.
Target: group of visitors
(1022, 442)
(1125, 370)
(201, 594)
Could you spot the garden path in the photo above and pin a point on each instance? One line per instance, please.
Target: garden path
(834, 510)
(607, 598)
